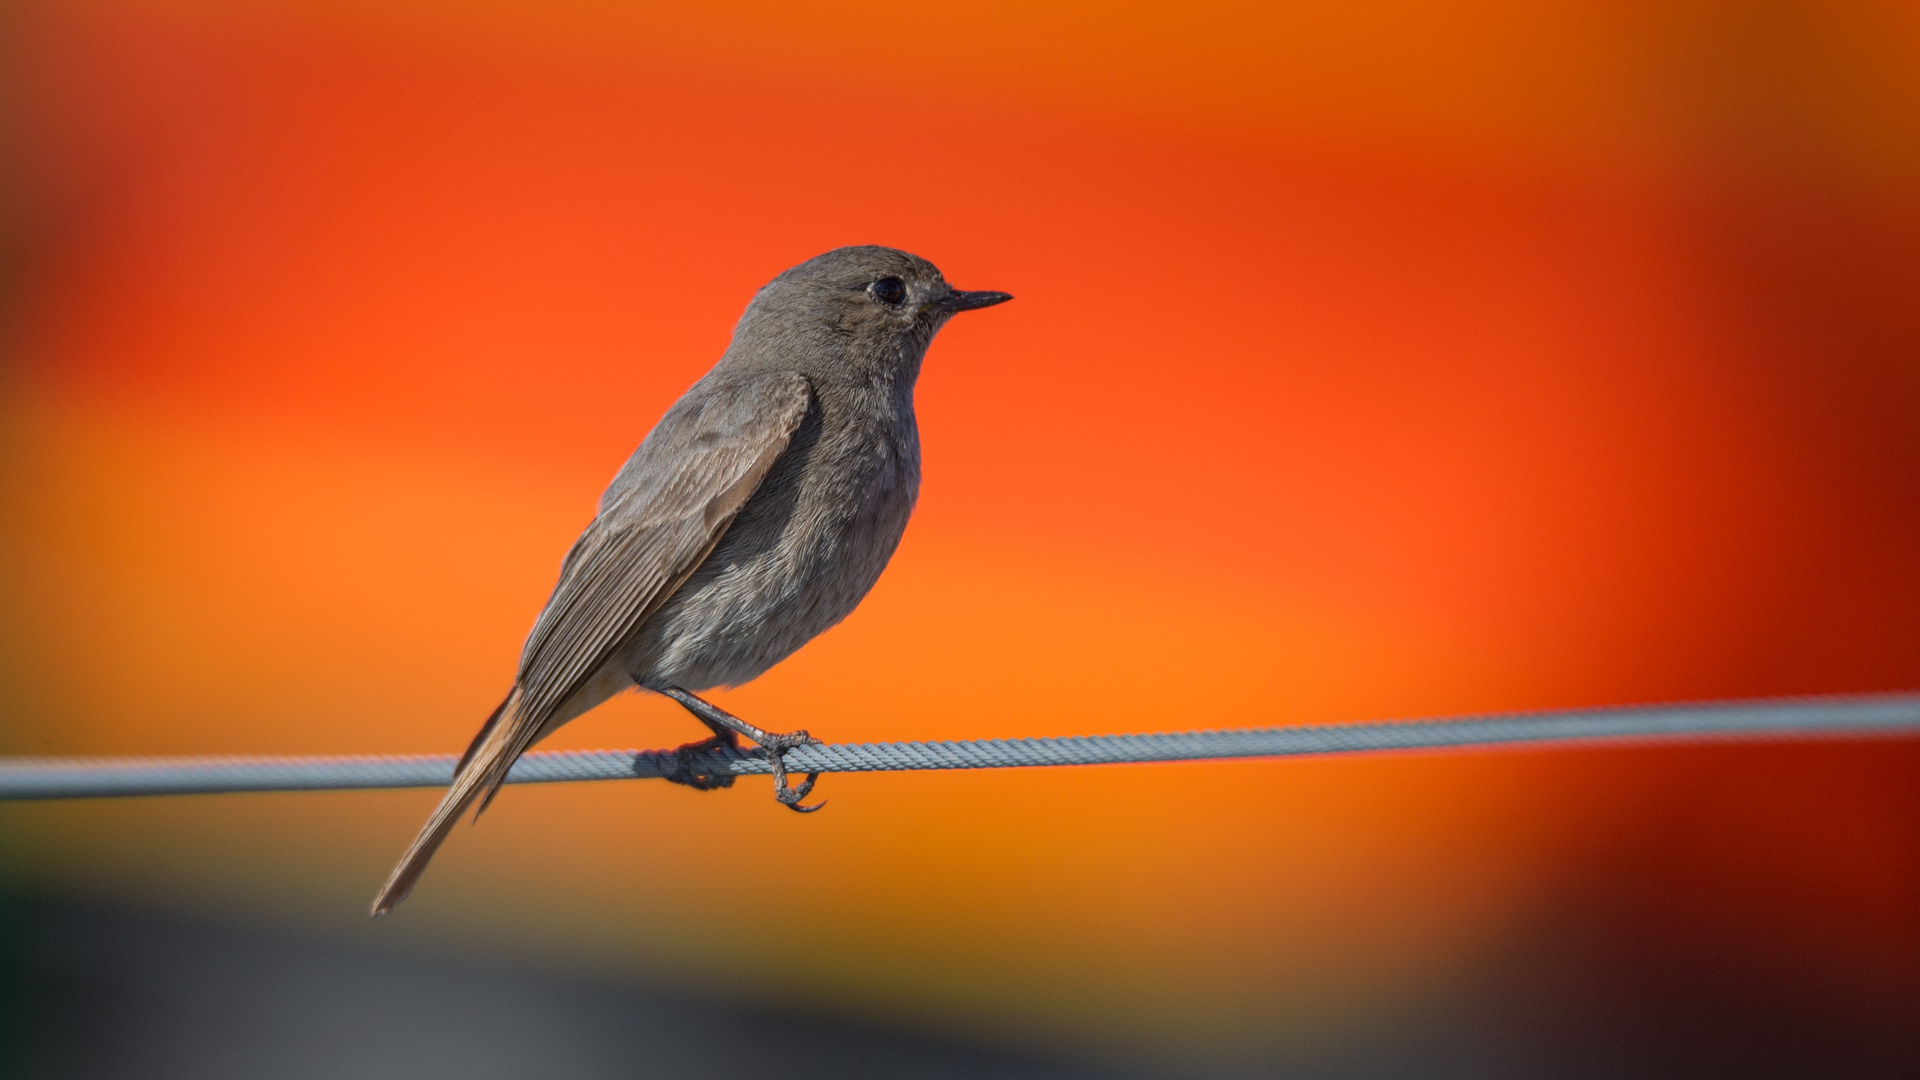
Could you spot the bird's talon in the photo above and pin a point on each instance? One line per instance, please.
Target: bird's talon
(795, 794)
(774, 744)
(790, 797)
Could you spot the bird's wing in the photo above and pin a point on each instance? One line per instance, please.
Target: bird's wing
(659, 520)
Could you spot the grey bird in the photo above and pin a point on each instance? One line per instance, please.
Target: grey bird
(756, 514)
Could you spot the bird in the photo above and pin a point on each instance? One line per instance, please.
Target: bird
(756, 514)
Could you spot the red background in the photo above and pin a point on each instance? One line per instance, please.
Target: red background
(1394, 360)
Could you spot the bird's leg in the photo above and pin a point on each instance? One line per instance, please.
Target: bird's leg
(726, 725)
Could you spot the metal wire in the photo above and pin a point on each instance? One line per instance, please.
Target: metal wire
(1849, 716)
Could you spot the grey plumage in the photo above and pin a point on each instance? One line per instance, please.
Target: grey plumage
(756, 514)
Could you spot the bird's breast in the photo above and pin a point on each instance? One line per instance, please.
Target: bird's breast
(862, 500)
(802, 554)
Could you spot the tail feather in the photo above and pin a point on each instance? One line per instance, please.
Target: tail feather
(480, 737)
(479, 773)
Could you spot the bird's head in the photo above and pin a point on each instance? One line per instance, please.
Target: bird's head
(868, 308)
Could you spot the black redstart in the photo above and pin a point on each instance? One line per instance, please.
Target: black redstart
(756, 514)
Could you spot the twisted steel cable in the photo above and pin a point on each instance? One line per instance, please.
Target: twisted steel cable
(1841, 716)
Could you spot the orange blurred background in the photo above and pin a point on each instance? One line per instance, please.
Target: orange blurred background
(1368, 360)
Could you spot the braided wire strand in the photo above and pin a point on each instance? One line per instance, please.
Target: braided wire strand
(1840, 716)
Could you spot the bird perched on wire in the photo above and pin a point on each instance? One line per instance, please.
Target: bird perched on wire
(756, 514)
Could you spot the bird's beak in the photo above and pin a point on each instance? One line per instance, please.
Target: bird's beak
(962, 300)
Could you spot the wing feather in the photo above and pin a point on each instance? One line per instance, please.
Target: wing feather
(660, 518)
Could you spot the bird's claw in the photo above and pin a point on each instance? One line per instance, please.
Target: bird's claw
(789, 797)
(686, 757)
(725, 725)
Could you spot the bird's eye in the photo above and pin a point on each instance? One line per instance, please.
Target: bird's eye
(889, 291)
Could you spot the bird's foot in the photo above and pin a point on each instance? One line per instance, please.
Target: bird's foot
(777, 747)
(686, 759)
(724, 725)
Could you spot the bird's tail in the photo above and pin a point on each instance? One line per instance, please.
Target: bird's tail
(478, 775)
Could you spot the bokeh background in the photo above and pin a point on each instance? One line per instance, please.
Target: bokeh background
(1369, 359)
